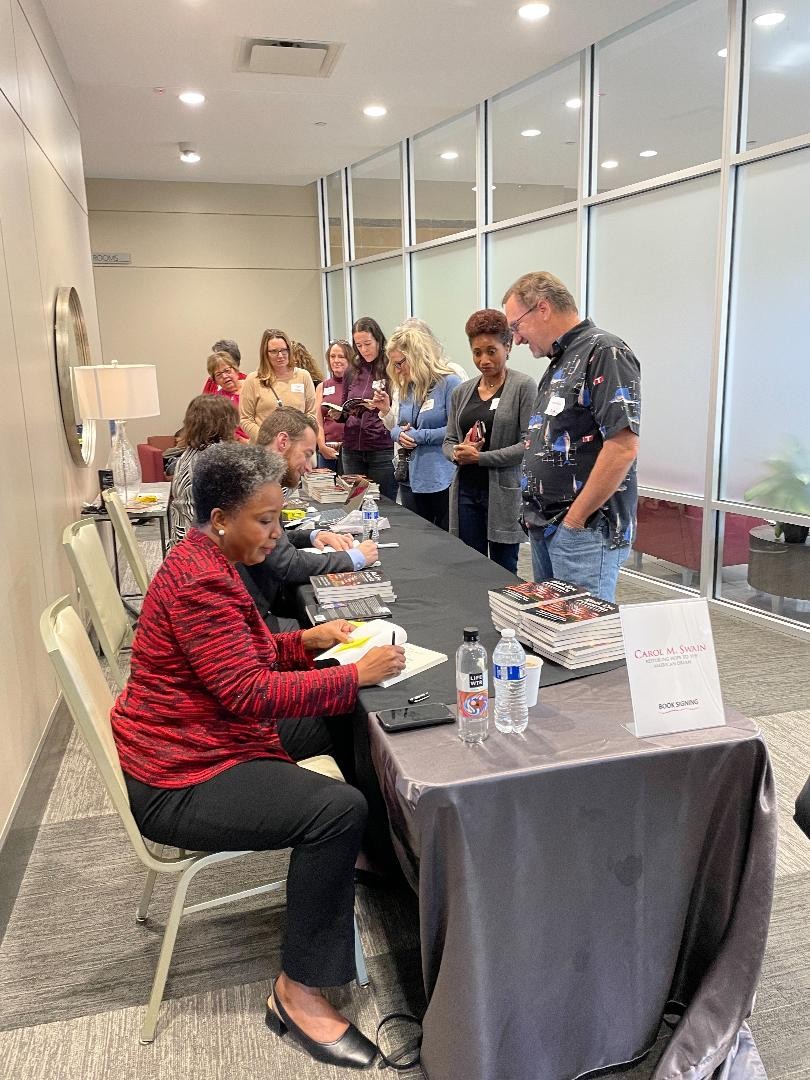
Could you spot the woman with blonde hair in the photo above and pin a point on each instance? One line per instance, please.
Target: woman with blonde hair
(303, 358)
(277, 382)
(425, 384)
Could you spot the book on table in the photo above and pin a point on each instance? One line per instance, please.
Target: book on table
(360, 610)
(532, 594)
(371, 634)
(338, 588)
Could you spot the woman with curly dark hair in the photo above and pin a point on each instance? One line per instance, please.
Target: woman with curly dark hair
(367, 446)
(487, 418)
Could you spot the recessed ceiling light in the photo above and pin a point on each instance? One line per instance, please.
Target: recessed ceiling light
(722, 53)
(474, 189)
(573, 103)
(192, 97)
(375, 111)
(530, 133)
(449, 155)
(770, 18)
(610, 164)
(648, 153)
(188, 154)
(533, 12)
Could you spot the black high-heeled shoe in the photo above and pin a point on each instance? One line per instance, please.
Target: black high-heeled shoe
(351, 1051)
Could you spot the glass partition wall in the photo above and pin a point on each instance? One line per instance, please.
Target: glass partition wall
(662, 174)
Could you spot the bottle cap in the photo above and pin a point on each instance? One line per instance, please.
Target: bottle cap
(507, 632)
(471, 633)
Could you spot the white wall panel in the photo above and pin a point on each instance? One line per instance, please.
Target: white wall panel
(43, 32)
(378, 290)
(44, 111)
(8, 60)
(444, 294)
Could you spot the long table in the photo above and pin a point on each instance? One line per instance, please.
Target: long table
(575, 882)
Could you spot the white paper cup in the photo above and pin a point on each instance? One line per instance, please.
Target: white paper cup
(534, 665)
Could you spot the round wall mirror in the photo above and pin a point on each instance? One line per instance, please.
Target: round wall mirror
(72, 349)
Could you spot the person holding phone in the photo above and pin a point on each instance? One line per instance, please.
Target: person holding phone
(216, 714)
(368, 449)
(485, 426)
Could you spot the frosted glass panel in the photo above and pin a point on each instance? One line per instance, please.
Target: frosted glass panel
(660, 94)
(378, 290)
(444, 179)
(778, 72)
(334, 218)
(543, 245)
(535, 144)
(377, 204)
(653, 284)
(768, 379)
(336, 305)
(445, 294)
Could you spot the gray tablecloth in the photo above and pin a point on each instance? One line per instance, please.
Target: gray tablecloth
(573, 881)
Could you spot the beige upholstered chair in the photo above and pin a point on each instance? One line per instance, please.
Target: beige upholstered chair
(99, 592)
(89, 700)
(128, 541)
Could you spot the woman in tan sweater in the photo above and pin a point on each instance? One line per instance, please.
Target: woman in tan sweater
(277, 382)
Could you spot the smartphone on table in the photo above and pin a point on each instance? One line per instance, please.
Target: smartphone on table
(415, 716)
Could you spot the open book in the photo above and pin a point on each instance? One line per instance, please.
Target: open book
(342, 412)
(368, 635)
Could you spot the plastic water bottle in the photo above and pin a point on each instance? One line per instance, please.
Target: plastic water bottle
(371, 519)
(472, 688)
(509, 671)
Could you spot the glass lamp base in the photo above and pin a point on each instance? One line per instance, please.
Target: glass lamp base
(126, 468)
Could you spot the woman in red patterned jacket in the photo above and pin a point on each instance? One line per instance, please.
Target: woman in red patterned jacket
(211, 723)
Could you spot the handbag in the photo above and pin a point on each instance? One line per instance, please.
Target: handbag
(402, 472)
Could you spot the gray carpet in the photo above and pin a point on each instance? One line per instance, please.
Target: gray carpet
(76, 968)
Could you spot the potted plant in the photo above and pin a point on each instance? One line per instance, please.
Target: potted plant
(787, 488)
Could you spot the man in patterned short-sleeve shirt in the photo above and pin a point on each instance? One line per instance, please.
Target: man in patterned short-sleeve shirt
(579, 463)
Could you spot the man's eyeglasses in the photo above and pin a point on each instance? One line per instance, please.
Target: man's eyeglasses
(278, 352)
(513, 326)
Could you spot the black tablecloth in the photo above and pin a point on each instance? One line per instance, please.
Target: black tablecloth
(574, 880)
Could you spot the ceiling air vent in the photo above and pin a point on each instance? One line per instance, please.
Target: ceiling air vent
(275, 56)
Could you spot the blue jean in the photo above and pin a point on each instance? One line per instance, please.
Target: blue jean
(473, 514)
(377, 465)
(582, 556)
(334, 464)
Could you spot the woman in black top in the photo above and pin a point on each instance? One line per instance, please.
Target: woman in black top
(484, 438)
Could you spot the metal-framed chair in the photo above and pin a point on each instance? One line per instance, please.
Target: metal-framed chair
(89, 700)
(99, 592)
(125, 535)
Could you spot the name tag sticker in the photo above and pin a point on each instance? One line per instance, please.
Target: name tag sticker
(378, 384)
(297, 388)
(327, 390)
(493, 405)
(428, 405)
(555, 406)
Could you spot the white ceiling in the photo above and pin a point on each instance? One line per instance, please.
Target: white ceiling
(426, 60)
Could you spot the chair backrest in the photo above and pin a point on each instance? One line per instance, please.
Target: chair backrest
(153, 467)
(99, 592)
(127, 538)
(89, 700)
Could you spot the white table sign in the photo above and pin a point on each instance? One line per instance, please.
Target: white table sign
(672, 667)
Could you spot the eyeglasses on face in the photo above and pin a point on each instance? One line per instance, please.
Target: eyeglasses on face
(278, 352)
(513, 326)
(400, 363)
(223, 371)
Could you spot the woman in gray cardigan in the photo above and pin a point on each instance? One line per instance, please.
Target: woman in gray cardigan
(485, 425)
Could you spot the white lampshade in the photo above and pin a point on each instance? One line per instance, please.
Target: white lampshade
(116, 391)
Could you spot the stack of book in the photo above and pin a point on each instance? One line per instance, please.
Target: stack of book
(560, 621)
(321, 488)
(336, 589)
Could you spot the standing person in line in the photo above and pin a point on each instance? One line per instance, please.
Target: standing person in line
(488, 416)
(332, 391)
(425, 384)
(367, 446)
(303, 358)
(224, 374)
(277, 382)
(579, 465)
(232, 349)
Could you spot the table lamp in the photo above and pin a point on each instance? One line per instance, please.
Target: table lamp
(118, 392)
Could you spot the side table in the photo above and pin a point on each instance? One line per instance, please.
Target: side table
(778, 568)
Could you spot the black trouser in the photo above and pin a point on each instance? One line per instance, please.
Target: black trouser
(265, 805)
(433, 506)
